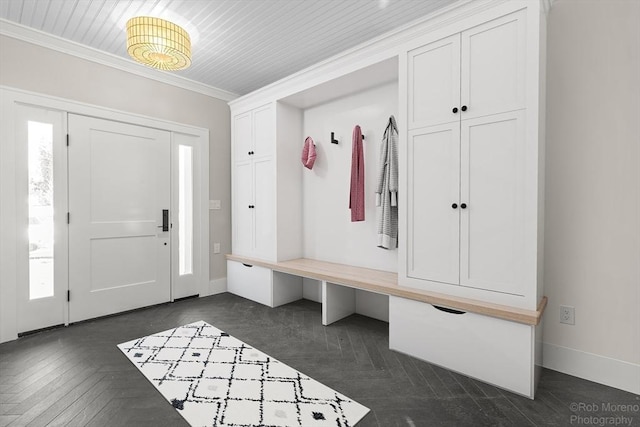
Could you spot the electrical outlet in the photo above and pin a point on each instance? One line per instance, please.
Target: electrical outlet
(567, 315)
(216, 248)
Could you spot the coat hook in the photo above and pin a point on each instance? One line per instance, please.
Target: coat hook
(335, 141)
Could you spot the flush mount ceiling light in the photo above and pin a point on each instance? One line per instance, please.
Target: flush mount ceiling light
(158, 43)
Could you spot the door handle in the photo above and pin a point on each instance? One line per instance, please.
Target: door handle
(165, 220)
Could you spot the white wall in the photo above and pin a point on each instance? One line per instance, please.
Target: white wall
(38, 69)
(592, 249)
(328, 233)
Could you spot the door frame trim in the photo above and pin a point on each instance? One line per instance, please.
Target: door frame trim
(9, 97)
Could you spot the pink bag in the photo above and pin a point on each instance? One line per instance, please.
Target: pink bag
(308, 153)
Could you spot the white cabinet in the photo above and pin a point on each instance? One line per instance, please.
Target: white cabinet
(266, 182)
(250, 281)
(472, 164)
(466, 204)
(253, 177)
(262, 285)
(474, 73)
(253, 133)
(472, 216)
(499, 352)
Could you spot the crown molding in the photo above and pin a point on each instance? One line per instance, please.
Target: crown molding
(40, 38)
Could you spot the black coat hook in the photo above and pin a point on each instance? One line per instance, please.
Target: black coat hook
(335, 141)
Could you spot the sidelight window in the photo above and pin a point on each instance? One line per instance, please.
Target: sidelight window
(185, 209)
(40, 231)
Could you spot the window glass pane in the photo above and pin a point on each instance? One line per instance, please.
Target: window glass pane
(185, 209)
(40, 152)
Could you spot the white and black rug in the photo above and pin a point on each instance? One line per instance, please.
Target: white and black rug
(213, 379)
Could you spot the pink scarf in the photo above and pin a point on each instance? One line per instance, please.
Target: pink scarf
(356, 196)
(308, 153)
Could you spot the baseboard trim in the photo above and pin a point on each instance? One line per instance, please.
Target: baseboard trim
(593, 367)
(217, 286)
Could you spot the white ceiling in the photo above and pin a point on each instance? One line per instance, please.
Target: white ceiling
(238, 45)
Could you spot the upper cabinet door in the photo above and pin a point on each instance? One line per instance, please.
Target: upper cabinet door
(434, 83)
(493, 66)
(242, 141)
(263, 131)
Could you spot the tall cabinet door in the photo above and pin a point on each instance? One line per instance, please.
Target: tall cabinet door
(264, 208)
(433, 203)
(493, 186)
(243, 218)
(493, 66)
(434, 83)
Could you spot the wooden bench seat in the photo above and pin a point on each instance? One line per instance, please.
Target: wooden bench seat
(386, 283)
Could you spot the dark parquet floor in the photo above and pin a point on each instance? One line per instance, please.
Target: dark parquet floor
(75, 376)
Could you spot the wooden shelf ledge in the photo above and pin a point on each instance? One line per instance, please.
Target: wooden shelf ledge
(384, 282)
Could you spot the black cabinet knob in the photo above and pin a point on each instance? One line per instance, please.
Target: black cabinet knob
(251, 206)
(463, 205)
(454, 206)
(464, 108)
(455, 110)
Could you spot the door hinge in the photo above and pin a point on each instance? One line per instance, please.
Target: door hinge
(68, 217)
(67, 140)
(68, 296)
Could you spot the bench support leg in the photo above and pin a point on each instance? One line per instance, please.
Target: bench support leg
(338, 302)
(286, 288)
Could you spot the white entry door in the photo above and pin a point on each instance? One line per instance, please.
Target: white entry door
(119, 225)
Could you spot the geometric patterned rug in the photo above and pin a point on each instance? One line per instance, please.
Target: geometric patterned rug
(214, 379)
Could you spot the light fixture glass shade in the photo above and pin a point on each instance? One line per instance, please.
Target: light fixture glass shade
(158, 43)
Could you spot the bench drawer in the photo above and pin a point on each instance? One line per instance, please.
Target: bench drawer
(250, 281)
(492, 350)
